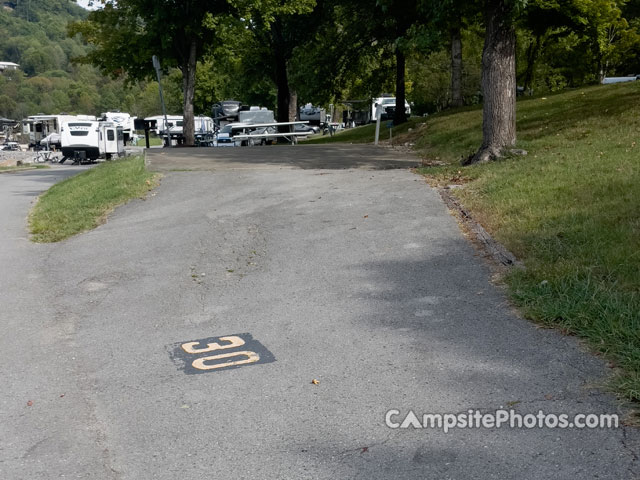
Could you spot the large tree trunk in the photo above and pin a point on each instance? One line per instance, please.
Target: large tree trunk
(498, 83)
(188, 93)
(400, 115)
(456, 67)
(282, 85)
(293, 105)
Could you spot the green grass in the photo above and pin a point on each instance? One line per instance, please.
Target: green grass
(153, 141)
(365, 133)
(27, 166)
(569, 210)
(82, 202)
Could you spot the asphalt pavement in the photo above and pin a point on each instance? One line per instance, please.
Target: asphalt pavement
(342, 290)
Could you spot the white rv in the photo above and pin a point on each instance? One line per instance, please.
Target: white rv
(39, 127)
(203, 126)
(121, 119)
(86, 140)
(388, 105)
(174, 122)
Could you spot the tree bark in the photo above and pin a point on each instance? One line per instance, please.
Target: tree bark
(400, 115)
(498, 83)
(188, 93)
(293, 105)
(456, 67)
(282, 85)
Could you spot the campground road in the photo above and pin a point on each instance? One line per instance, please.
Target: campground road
(346, 271)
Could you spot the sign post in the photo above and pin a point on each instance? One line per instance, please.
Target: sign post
(156, 65)
(378, 115)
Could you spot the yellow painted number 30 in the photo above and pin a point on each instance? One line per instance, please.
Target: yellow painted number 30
(220, 360)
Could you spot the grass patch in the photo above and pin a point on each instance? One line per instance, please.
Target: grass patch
(82, 202)
(568, 210)
(22, 167)
(366, 133)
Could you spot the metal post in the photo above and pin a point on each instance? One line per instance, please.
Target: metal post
(156, 65)
(378, 116)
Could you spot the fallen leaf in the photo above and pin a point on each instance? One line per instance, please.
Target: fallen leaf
(29, 403)
(315, 382)
(364, 449)
(548, 397)
(366, 216)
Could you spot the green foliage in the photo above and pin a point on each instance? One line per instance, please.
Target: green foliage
(36, 39)
(568, 44)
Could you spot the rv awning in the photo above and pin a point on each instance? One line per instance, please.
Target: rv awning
(51, 138)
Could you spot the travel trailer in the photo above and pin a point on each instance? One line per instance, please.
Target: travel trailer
(388, 105)
(121, 119)
(313, 115)
(247, 119)
(173, 121)
(203, 126)
(86, 140)
(38, 127)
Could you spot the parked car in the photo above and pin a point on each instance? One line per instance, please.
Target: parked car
(310, 129)
(11, 147)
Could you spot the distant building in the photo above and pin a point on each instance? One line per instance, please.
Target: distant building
(8, 66)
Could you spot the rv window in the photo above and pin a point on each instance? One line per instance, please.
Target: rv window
(110, 135)
(38, 127)
(78, 133)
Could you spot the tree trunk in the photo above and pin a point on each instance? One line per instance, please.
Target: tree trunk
(188, 93)
(601, 70)
(282, 85)
(293, 105)
(400, 115)
(456, 67)
(532, 55)
(498, 83)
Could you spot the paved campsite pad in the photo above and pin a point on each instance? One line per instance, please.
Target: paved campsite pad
(357, 281)
(279, 156)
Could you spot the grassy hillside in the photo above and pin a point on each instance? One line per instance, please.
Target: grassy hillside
(569, 210)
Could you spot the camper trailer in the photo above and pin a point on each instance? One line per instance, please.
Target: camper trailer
(313, 115)
(203, 126)
(86, 140)
(39, 127)
(388, 105)
(121, 119)
(173, 123)
(247, 118)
